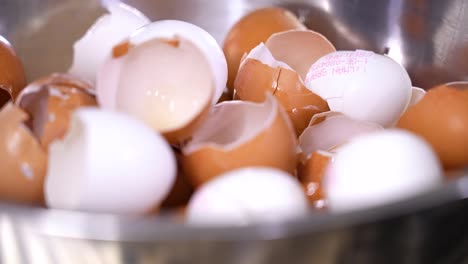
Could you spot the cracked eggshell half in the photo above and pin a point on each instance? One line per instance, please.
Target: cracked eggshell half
(23, 161)
(379, 168)
(251, 30)
(299, 48)
(168, 29)
(92, 49)
(12, 76)
(166, 82)
(50, 101)
(109, 162)
(246, 196)
(362, 84)
(260, 74)
(240, 134)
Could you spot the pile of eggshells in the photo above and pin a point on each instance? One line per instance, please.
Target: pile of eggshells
(143, 121)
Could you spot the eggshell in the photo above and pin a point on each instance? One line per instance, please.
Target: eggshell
(50, 101)
(311, 173)
(109, 162)
(23, 161)
(441, 118)
(167, 83)
(299, 48)
(240, 134)
(330, 129)
(379, 168)
(168, 29)
(252, 29)
(260, 74)
(12, 76)
(363, 85)
(416, 95)
(92, 49)
(246, 196)
(181, 191)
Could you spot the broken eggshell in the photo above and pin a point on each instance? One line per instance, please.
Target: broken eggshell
(260, 73)
(251, 30)
(109, 162)
(441, 118)
(22, 159)
(362, 84)
(246, 196)
(240, 134)
(168, 29)
(299, 48)
(331, 129)
(167, 83)
(91, 50)
(50, 101)
(12, 76)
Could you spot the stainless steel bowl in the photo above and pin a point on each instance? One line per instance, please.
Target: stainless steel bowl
(429, 37)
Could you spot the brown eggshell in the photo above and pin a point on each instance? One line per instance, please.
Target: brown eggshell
(181, 191)
(23, 161)
(241, 134)
(253, 29)
(311, 173)
(50, 102)
(299, 48)
(441, 117)
(255, 79)
(12, 76)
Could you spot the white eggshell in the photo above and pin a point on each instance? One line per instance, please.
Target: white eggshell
(109, 163)
(245, 196)
(94, 47)
(201, 38)
(380, 168)
(361, 84)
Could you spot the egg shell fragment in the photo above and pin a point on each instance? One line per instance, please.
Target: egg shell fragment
(246, 196)
(167, 83)
(168, 29)
(92, 49)
(260, 73)
(240, 134)
(363, 85)
(299, 48)
(23, 161)
(380, 168)
(50, 101)
(251, 30)
(441, 118)
(12, 76)
(109, 162)
(331, 129)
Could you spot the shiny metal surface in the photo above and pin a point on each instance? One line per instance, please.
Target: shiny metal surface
(429, 37)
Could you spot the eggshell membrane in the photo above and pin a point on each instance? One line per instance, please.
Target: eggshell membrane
(92, 49)
(168, 29)
(311, 173)
(246, 196)
(12, 76)
(240, 134)
(22, 159)
(330, 129)
(252, 29)
(380, 168)
(441, 118)
(257, 77)
(50, 102)
(362, 84)
(109, 162)
(167, 83)
(299, 48)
